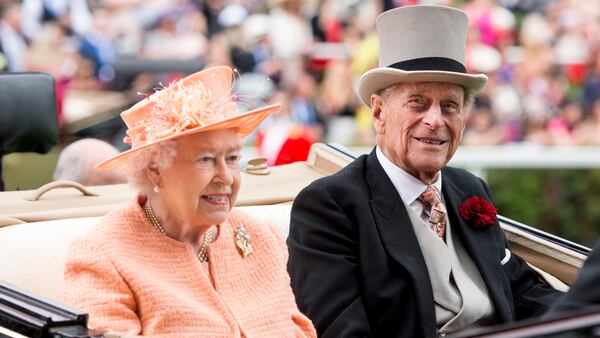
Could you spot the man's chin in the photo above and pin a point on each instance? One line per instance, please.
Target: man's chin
(430, 165)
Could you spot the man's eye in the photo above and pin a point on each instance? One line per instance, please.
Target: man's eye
(452, 107)
(417, 101)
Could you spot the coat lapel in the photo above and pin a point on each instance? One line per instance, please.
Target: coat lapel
(479, 243)
(397, 234)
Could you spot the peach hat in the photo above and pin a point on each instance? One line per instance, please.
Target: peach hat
(200, 102)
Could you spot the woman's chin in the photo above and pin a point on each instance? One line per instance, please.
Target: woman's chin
(212, 218)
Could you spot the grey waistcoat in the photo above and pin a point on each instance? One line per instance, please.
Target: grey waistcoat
(460, 295)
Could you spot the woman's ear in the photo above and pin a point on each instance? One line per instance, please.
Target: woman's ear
(153, 174)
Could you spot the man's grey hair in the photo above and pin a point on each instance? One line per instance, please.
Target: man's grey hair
(77, 162)
(468, 99)
(161, 154)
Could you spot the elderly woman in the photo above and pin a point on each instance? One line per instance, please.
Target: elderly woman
(178, 261)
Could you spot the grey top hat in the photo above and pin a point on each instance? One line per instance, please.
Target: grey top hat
(420, 44)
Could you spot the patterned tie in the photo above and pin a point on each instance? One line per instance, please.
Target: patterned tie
(437, 214)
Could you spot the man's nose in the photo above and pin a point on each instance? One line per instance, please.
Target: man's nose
(433, 117)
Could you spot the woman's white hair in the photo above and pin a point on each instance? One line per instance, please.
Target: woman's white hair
(161, 154)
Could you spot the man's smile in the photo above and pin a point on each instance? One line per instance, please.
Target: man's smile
(427, 140)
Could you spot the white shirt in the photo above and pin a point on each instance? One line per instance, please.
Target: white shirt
(408, 187)
(14, 47)
(460, 283)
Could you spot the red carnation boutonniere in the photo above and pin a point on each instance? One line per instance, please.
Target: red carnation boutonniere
(478, 211)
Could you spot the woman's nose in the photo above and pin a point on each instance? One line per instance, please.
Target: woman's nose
(223, 172)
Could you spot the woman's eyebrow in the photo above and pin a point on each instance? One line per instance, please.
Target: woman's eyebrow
(234, 149)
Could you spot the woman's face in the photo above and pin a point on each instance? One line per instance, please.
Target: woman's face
(202, 183)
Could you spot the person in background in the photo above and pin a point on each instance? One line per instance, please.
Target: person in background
(561, 128)
(77, 162)
(281, 139)
(13, 44)
(482, 129)
(397, 244)
(72, 14)
(178, 260)
(588, 132)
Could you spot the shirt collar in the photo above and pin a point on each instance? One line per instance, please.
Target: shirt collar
(408, 186)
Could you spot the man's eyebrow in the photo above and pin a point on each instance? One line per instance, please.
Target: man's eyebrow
(416, 90)
(452, 98)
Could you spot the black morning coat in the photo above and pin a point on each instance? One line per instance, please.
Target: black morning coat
(357, 269)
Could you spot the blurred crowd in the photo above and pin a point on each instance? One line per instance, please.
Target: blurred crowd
(542, 58)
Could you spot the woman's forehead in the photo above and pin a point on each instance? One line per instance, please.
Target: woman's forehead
(218, 140)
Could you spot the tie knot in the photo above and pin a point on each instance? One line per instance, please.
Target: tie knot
(431, 196)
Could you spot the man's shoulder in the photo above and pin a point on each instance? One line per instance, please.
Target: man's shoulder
(353, 172)
(348, 180)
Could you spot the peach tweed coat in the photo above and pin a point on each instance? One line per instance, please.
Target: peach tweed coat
(132, 279)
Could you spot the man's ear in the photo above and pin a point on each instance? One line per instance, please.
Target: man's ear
(377, 113)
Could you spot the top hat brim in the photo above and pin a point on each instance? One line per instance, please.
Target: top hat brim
(244, 124)
(377, 79)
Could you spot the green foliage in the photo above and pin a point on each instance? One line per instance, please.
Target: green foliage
(563, 202)
(24, 171)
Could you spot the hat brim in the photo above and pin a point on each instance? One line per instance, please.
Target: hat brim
(245, 124)
(377, 79)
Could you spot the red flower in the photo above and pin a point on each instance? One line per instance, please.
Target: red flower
(478, 211)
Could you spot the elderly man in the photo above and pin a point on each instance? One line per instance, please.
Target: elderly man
(77, 162)
(397, 244)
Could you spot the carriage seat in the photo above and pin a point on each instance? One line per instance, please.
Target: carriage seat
(33, 254)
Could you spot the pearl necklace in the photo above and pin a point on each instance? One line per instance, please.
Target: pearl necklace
(208, 236)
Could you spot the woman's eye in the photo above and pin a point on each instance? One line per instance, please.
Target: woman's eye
(233, 158)
(205, 159)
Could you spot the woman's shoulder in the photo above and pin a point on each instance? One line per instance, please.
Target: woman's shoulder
(116, 223)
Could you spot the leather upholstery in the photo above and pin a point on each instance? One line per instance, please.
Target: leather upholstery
(28, 121)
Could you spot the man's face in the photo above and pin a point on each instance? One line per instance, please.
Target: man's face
(419, 125)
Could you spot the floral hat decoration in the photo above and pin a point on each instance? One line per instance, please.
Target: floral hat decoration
(200, 102)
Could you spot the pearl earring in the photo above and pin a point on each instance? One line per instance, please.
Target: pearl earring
(156, 189)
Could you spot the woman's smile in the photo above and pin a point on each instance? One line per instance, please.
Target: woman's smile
(216, 199)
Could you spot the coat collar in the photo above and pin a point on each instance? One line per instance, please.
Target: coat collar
(479, 243)
(402, 245)
(408, 187)
(399, 238)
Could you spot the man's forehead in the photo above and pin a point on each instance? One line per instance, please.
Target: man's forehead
(427, 87)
